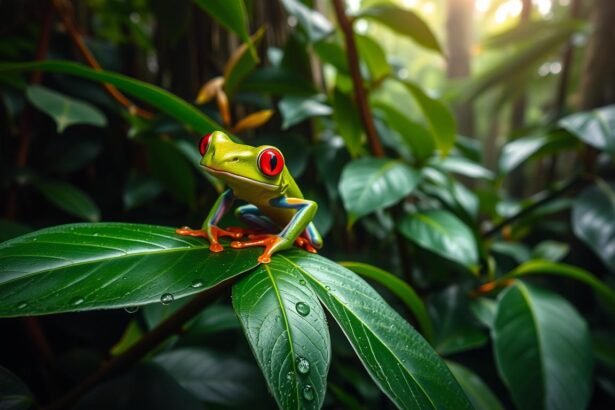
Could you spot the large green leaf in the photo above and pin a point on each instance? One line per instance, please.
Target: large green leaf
(374, 57)
(64, 110)
(108, 265)
(400, 288)
(478, 392)
(516, 152)
(296, 109)
(314, 23)
(288, 333)
(69, 198)
(212, 377)
(348, 122)
(543, 349)
(593, 220)
(462, 166)
(404, 22)
(152, 95)
(231, 14)
(443, 233)
(546, 267)
(399, 360)
(596, 127)
(439, 117)
(14, 394)
(368, 184)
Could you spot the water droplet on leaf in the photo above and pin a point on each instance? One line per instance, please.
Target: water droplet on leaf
(166, 298)
(328, 287)
(302, 308)
(22, 305)
(308, 392)
(302, 281)
(76, 301)
(290, 376)
(303, 366)
(131, 309)
(196, 284)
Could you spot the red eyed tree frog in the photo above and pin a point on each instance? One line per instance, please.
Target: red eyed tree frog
(276, 208)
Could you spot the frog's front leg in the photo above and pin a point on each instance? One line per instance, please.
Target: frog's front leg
(273, 243)
(210, 229)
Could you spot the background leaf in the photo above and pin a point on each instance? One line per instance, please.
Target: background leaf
(368, 184)
(593, 214)
(170, 167)
(231, 14)
(14, 394)
(596, 127)
(69, 198)
(108, 265)
(478, 392)
(296, 109)
(443, 233)
(64, 110)
(287, 331)
(539, 330)
(314, 23)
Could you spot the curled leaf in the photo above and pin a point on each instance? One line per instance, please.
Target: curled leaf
(253, 120)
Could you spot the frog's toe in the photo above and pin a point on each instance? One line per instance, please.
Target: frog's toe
(305, 244)
(186, 231)
(215, 247)
(264, 258)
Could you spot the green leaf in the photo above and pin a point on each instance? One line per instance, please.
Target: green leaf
(314, 23)
(192, 154)
(516, 152)
(331, 52)
(346, 117)
(551, 250)
(241, 63)
(404, 22)
(456, 329)
(108, 265)
(596, 127)
(153, 95)
(531, 30)
(277, 81)
(543, 267)
(70, 199)
(415, 136)
(543, 349)
(478, 392)
(398, 287)
(64, 110)
(439, 117)
(232, 14)
(368, 184)
(145, 386)
(296, 109)
(169, 166)
(14, 394)
(462, 166)
(140, 190)
(397, 358)
(373, 56)
(484, 310)
(287, 330)
(213, 377)
(593, 217)
(443, 233)
(452, 194)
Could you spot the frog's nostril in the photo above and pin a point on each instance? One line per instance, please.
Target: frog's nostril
(235, 159)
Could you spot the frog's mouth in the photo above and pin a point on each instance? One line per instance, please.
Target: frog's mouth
(264, 185)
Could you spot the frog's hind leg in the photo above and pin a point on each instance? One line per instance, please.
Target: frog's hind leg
(254, 218)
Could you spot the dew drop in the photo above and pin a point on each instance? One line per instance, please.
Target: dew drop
(290, 376)
(302, 281)
(302, 308)
(166, 298)
(328, 287)
(303, 366)
(196, 284)
(131, 309)
(308, 392)
(76, 301)
(22, 305)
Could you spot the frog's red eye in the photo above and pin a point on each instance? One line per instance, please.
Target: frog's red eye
(204, 143)
(270, 162)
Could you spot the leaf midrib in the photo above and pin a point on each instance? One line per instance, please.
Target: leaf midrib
(358, 319)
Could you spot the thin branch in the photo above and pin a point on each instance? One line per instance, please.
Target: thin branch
(64, 11)
(146, 344)
(544, 198)
(357, 80)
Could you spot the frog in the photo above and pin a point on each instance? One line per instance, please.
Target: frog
(276, 213)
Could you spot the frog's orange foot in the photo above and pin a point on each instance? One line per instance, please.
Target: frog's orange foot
(221, 233)
(186, 231)
(269, 241)
(244, 231)
(305, 244)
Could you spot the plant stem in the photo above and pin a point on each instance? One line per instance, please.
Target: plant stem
(544, 198)
(357, 80)
(147, 343)
(63, 9)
